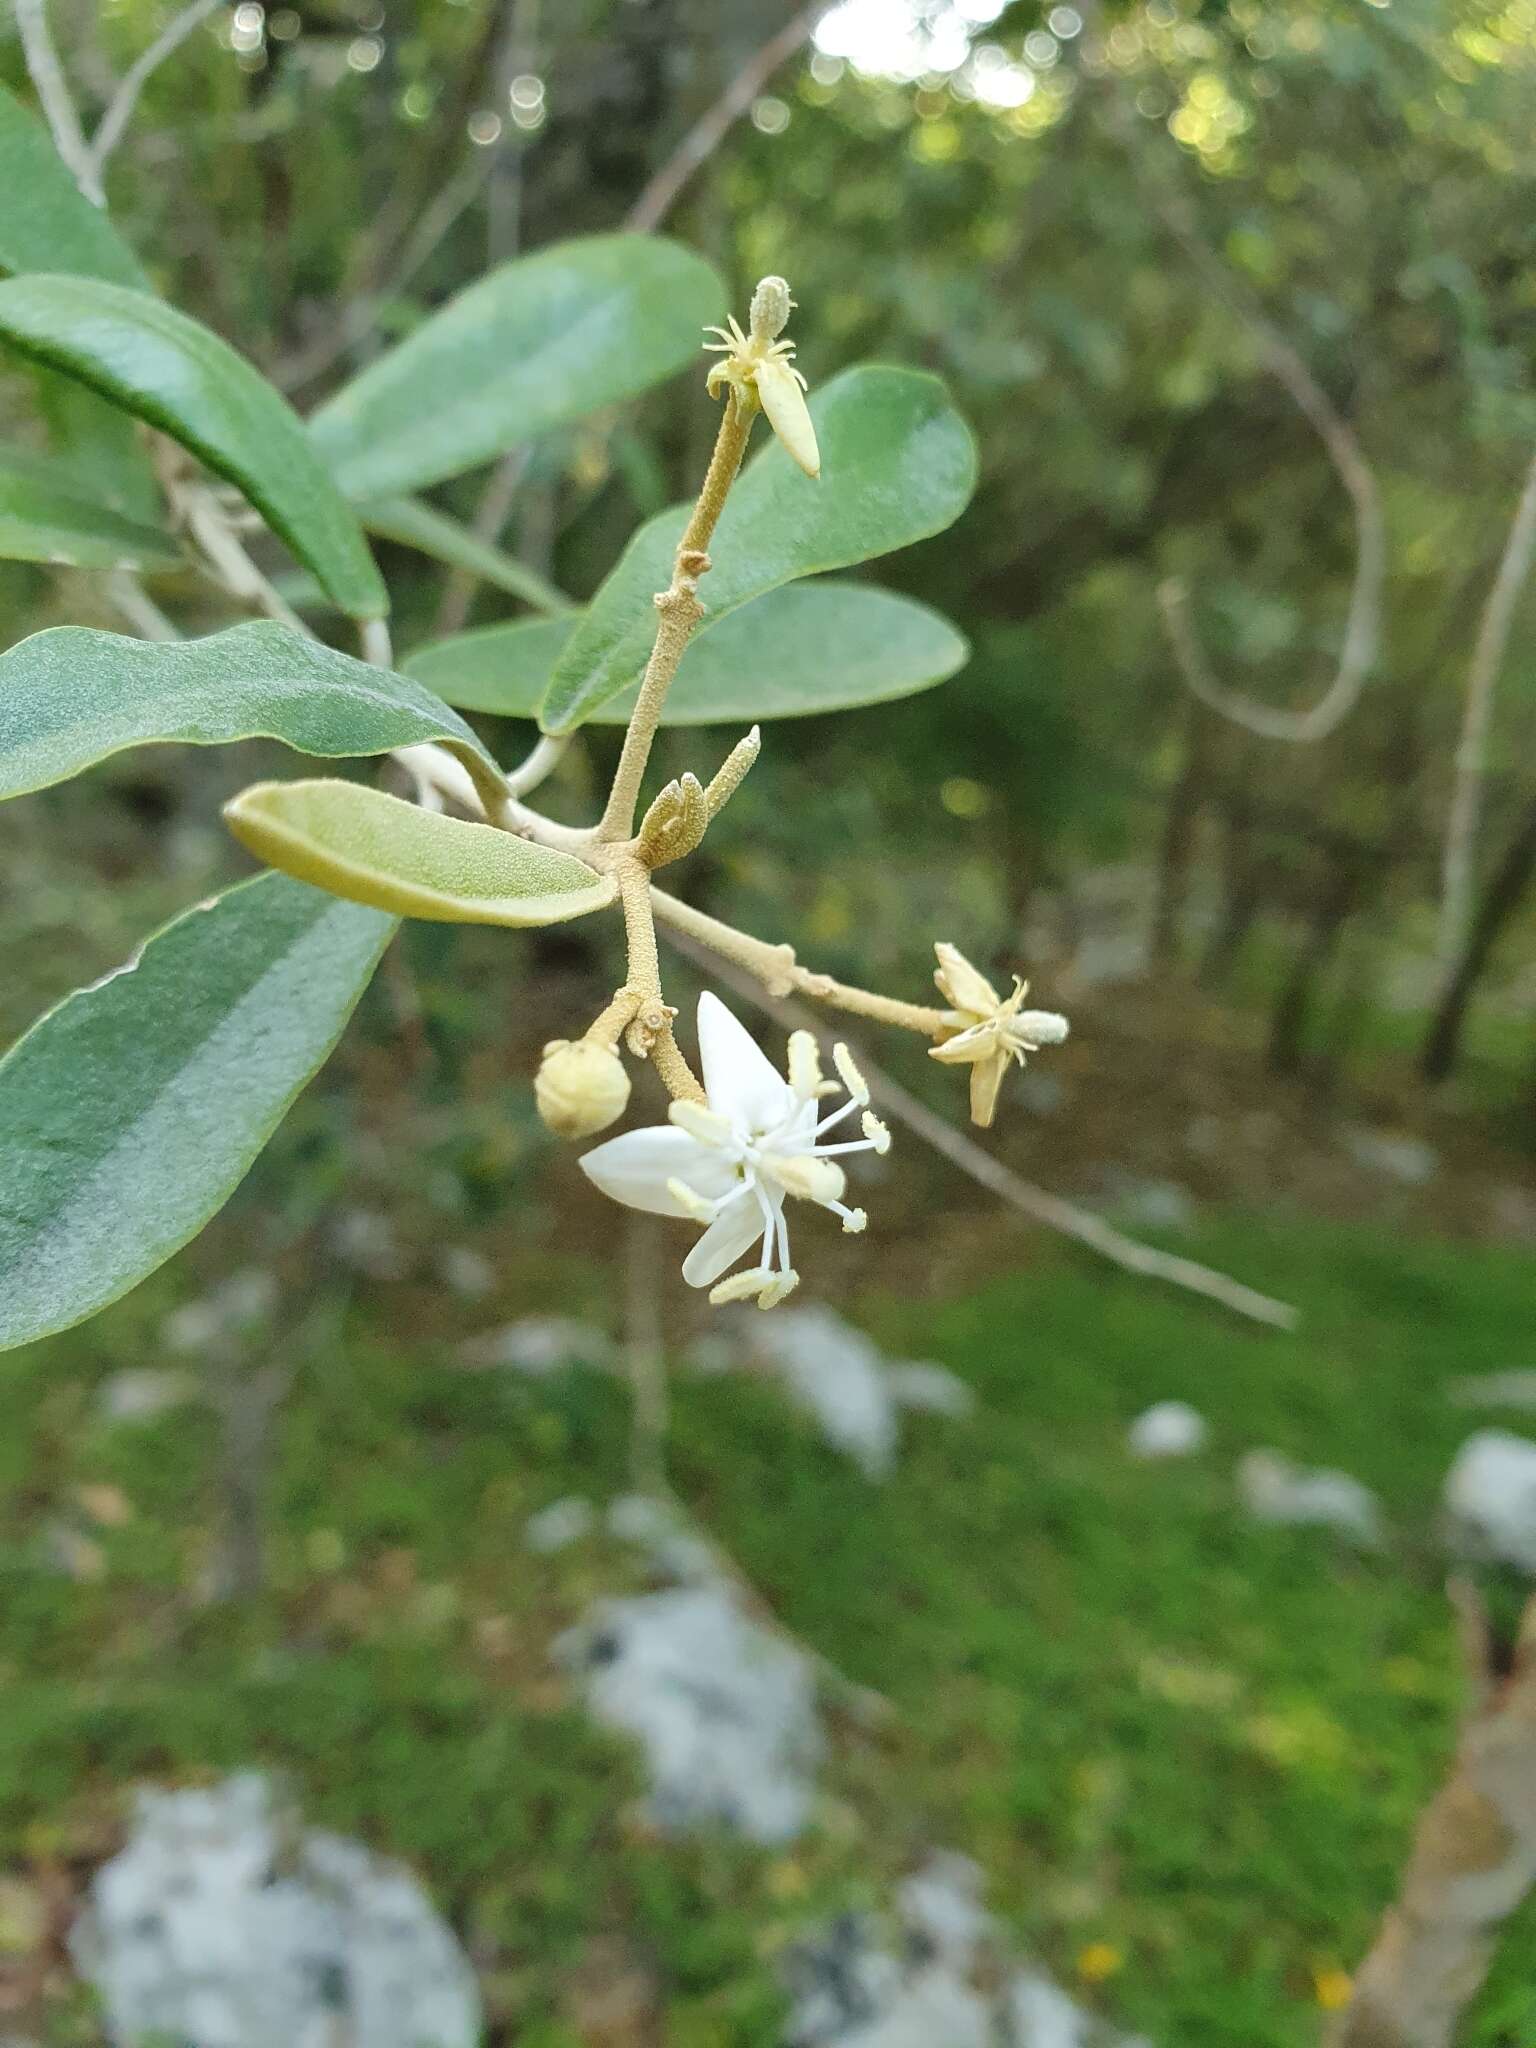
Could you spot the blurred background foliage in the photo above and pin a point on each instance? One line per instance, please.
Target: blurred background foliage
(1242, 930)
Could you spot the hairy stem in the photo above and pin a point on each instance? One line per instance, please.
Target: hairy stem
(650, 1034)
(679, 612)
(781, 974)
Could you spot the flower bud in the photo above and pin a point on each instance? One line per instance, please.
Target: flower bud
(769, 313)
(580, 1087)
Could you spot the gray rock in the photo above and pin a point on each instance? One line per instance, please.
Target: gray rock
(1393, 1154)
(835, 1374)
(558, 1526)
(936, 1978)
(1275, 1490)
(1168, 1429)
(142, 1393)
(930, 1390)
(724, 1712)
(541, 1345)
(225, 1924)
(1490, 1498)
(1513, 1389)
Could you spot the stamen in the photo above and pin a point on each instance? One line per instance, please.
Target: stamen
(776, 1291)
(805, 1174)
(877, 1133)
(852, 1079)
(783, 1234)
(843, 1110)
(743, 1286)
(707, 1125)
(698, 1208)
(804, 1065)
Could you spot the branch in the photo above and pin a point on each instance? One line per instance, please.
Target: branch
(712, 127)
(1362, 629)
(1041, 1207)
(47, 75)
(1473, 1859)
(114, 121)
(1458, 865)
(351, 324)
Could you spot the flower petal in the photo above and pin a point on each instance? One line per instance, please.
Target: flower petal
(734, 1231)
(986, 1079)
(634, 1169)
(966, 987)
(784, 402)
(977, 1042)
(739, 1079)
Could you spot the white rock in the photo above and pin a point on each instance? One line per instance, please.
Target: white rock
(724, 1712)
(835, 1374)
(365, 1240)
(1392, 1154)
(1148, 1204)
(224, 1924)
(1490, 1497)
(850, 1991)
(1275, 1490)
(1040, 2015)
(673, 1549)
(234, 1309)
(141, 1393)
(932, 2007)
(935, 1980)
(556, 1527)
(468, 1272)
(930, 1389)
(940, 1908)
(1513, 1389)
(541, 1345)
(1168, 1429)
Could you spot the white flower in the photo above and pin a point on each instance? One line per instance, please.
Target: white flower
(991, 1032)
(759, 363)
(730, 1164)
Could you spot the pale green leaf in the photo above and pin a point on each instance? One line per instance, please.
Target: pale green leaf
(129, 1114)
(897, 463)
(808, 647)
(417, 525)
(155, 362)
(71, 696)
(537, 343)
(47, 515)
(360, 843)
(45, 222)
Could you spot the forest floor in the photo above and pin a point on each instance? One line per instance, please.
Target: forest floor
(1186, 1748)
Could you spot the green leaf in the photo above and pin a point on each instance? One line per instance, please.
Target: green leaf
(897, 463)
(71, 696)
(416, 525)
(806, 648)
(375, 849)
(46, 517)
(536, 343)
(129, 1114)
(154, 361)
(103, 448)
(45, 223)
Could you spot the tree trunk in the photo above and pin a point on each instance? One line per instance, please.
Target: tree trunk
(1288, 1031)
(1185, 802)
(1241, 895)
(1473, 1861)
(1500, 901)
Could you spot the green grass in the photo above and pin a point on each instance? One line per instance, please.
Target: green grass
(1199, 1741)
